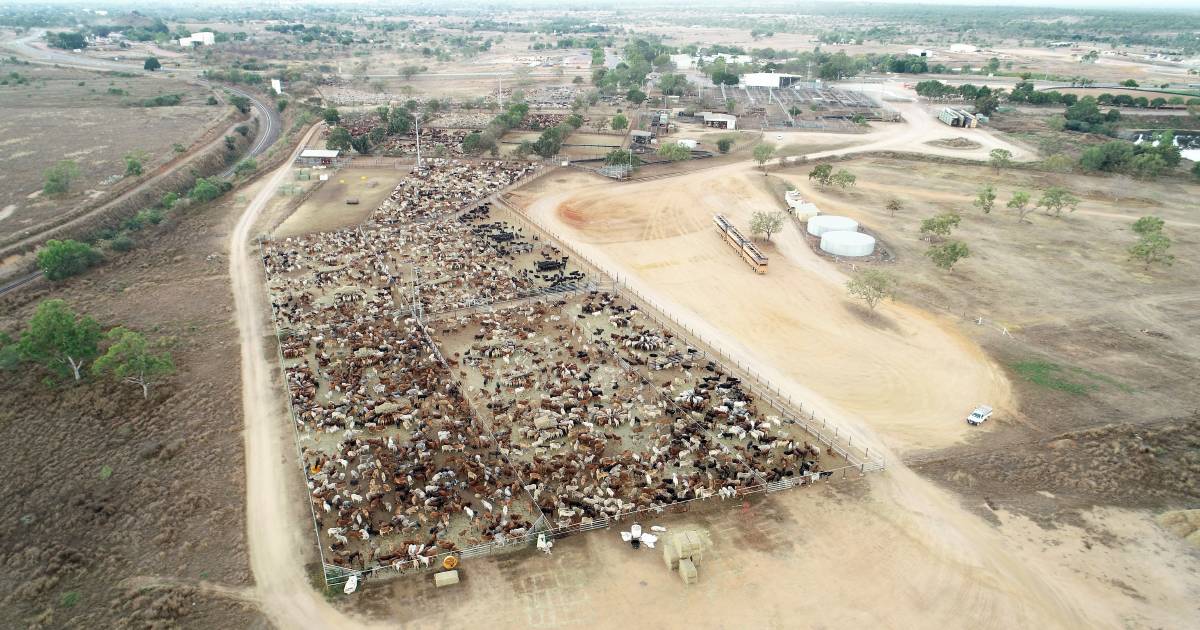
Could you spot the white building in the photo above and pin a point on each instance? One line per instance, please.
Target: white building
(718, 121)
(683, 62)
(963, 48)
(728, 58)
(769, 79)
(277, 85)
(203, 38)
(919, 52)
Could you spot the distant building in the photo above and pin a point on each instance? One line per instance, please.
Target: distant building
(203, 38)
(963, 48)
(919, 52)
(683, 62)
(277, 86)
(769, 79)
(718, 121)
(315, 157)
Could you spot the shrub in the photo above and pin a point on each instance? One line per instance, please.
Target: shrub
(122, 243)
(62, 259)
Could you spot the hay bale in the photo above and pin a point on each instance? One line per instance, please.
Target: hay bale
(687, 572)
(445, 578)
(688, 544)
(671, 557)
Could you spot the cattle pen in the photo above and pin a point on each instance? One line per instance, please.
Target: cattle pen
(528, 349)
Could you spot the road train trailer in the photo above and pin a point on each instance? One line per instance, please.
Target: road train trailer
(742, 245)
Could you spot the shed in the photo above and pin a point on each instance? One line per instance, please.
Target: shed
(719, 121)
(318, 156)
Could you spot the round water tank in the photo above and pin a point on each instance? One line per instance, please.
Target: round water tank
(819, 225)
(841, 243)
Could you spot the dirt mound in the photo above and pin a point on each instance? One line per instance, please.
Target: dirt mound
(1127, 464)
(955, 143)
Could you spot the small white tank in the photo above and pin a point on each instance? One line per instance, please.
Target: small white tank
(821, 224)
(840, 243)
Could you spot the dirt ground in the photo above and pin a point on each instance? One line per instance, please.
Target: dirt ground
(119, 512)
(69, 114)
(326, 208)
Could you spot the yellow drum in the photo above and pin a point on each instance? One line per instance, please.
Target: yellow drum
(450, 562)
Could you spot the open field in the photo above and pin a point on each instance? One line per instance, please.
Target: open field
(132, 510)
(65, 114)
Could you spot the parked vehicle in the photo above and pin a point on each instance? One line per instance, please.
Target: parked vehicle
(981, 413)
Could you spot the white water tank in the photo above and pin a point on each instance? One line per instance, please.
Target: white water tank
(821, 224)
(841, 243)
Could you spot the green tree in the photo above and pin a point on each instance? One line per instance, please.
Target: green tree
(985, 200)
(1152, 248)
(872, 286)
(133, 164)
(763, 154)
(1148, 225)
(59, 260)
(947, 254)
(339, 138)
(621, 156)
(204, 191)
(1000, 158)
(940, 226)
(620, 122)
(151, 64)
(635, 96)
(60, 176)
(1056, 199)
(822, 173)
(331, 115)
(674, 151)
(245, 167)
(724, 144)
(1148, 165)
(59, 339)
(240, 103)
(893, 206)
(766, 223)
(131, 359)
(1020, 203)
(844, 179)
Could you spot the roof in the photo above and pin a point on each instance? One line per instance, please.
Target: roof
(319, 153)
(640, 133)
(712, 116)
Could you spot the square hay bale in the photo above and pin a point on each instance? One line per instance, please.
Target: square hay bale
(445, 578)
(671, 557)
(687, 572)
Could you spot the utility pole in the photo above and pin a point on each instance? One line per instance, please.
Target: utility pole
(417, 122)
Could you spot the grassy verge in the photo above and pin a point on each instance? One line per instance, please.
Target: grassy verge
(1064, 378)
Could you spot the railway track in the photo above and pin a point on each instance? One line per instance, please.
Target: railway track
(20, 282)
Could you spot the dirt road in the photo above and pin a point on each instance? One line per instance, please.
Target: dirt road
(919, 126)
(278, 538)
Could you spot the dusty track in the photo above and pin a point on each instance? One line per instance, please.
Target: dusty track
(277, 536)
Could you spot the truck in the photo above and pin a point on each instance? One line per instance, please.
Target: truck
(979, 415)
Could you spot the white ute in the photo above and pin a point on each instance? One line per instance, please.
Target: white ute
(981, 413)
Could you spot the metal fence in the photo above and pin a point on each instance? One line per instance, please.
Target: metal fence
(857, 460)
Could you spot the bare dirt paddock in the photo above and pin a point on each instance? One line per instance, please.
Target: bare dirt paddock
(90, 118)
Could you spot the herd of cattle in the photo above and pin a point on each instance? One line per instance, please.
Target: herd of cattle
(457, 380)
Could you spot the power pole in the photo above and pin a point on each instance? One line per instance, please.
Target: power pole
(417, 122)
